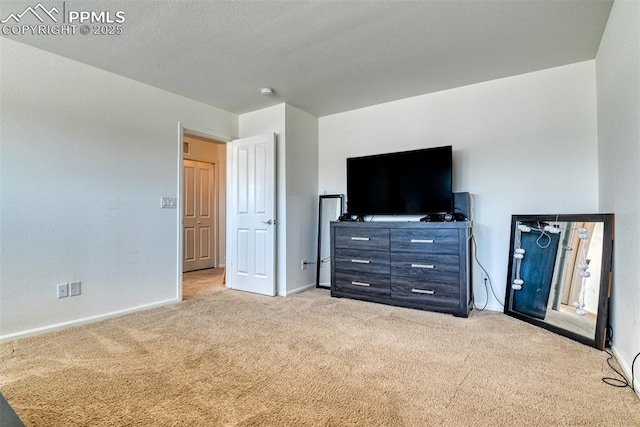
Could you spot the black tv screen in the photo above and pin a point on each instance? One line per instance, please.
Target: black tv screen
(406, 183)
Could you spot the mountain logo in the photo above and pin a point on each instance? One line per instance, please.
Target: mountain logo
(39, 11)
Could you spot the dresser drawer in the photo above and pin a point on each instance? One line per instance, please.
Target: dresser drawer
(435, 293)
(362, 283)
(362, 238)
(428, 241)
(374, 262)
(444, 268)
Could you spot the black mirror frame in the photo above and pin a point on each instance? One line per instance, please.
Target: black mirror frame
(318, 259)
(606, 277)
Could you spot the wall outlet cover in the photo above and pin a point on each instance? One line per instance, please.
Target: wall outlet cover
(62, 290)
(74, 289)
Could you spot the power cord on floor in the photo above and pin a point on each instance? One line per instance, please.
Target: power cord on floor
(621, 382)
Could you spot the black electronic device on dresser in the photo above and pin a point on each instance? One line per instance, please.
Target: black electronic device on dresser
(423, 265)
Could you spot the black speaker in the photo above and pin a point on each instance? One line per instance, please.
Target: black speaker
(462, 204)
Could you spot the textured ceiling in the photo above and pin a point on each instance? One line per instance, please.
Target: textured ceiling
(327, 56)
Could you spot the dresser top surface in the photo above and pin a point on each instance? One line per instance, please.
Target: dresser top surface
(402, 224)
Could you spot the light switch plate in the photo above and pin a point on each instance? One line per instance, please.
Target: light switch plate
(168, 202)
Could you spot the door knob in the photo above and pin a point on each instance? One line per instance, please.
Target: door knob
(198, 222)
(268, 222)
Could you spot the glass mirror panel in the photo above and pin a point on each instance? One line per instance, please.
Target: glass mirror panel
(330, 209)
(560, 272)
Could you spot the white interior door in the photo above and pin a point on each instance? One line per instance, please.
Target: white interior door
(253, 222)
(198, 215)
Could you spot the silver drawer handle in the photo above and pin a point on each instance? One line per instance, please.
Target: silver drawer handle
(422, 291)
(361, 284)
(361, 261)
(421, 240)
(423, 266)
(364, 239)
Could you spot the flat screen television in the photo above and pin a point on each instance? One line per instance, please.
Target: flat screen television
(417, 182)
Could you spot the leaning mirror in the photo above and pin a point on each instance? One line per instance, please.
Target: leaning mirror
(559, 275)
(330, 209)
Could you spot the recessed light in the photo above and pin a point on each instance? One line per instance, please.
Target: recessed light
(266, 91)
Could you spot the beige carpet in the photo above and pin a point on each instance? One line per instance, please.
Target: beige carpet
(227, 358)
(197, 284)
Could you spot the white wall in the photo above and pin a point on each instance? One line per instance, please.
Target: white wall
(618, 81)
(297, 166)
(85, 157)
(302, 200)
(522, 145)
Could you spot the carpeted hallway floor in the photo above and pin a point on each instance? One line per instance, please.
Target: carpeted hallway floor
(199, 283)
(227, 358)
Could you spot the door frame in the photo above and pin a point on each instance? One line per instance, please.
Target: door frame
(205, 133)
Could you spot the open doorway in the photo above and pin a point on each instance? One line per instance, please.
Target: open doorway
(204, 189)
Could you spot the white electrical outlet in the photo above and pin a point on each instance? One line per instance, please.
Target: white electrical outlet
(62, 290)
(74, 288)
(304, 264)
(484, 277)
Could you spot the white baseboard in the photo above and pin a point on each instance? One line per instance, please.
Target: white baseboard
(491, 306)
(63, 325)
(494, 307)
(297, 290)
(626, 368)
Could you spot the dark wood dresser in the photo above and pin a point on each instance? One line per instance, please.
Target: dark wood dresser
(423, 265)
